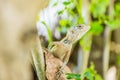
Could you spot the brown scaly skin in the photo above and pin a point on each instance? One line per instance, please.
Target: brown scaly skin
(62, 49)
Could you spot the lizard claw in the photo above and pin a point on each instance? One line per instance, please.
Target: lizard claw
(59, 73)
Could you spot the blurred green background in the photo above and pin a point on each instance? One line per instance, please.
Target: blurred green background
(101, 45)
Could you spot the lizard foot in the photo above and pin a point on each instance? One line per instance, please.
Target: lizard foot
(59, 73)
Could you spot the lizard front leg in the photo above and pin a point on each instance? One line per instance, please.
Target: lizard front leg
(65, 60)
(53, 44)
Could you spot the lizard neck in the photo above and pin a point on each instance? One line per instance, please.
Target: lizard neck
(66, 41)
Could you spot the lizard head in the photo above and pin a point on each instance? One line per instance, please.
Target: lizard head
(75, 33)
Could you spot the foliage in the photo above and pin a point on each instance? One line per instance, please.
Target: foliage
(98, 8)
(118, 60)
(90, 74)
(73, 76)
(100, 18)
(96, 28)
(49, 31)
(74, 17)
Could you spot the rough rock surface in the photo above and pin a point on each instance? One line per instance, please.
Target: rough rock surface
(52, 66)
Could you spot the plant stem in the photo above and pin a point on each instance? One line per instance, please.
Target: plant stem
(38, 59)
(87, 38)
(106, 52)
(107, 36)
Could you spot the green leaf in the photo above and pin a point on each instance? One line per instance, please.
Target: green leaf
(70, 11)
(55, 4)
(73, 76)
(66, 2)
(117, 7)
(113, 24)
(63, 22)
(48, 31)
(89, 76)
(92, 67)
(98, 77)
(96, 28)
(60, 12)
(86, 41)
(118, 59)
(98, 7)
(91, 73)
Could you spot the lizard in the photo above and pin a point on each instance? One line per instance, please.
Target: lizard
(62, 49)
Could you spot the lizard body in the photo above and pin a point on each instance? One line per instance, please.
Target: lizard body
(62, 49)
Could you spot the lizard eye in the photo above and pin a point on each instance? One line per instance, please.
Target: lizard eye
(79, 26)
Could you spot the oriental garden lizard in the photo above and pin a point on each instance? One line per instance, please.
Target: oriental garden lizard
(62, 49)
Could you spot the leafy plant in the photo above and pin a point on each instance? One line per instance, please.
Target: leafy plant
(100, 16)
(118, 60)
(90, 74)
(98, 7)
(73, 76)
(49, 31)
(72, 10)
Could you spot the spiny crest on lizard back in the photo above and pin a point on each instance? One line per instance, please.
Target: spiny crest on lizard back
(75, 33)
